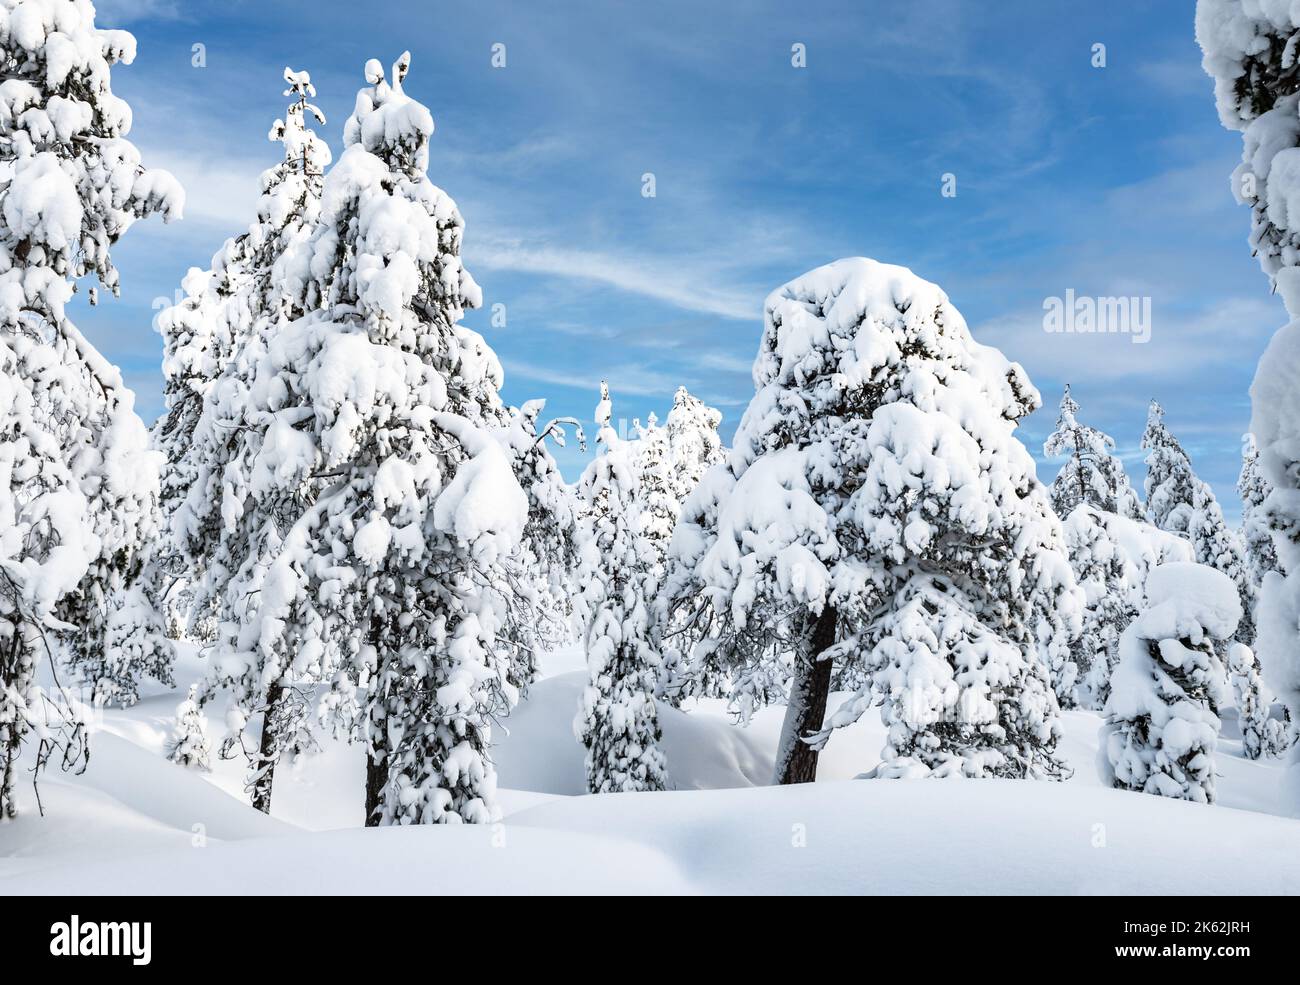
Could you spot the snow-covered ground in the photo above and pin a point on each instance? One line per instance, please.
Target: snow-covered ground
(135, 823)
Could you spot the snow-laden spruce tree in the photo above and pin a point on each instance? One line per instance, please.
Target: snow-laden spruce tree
(1249, 50)
(1179, 502)
(1171, 484)
(694, 443)
(380, 505)
(233, 313)
(1261, 734)
(617, 721)
(543, 571)
(1162, 721)
(1112, 557)
(1257, 537)
(1091, 474)
(657, 507)
(694, 446)
(78, 487)
(877, 507)
(189, 745)
(1110, 549)
(212, 338)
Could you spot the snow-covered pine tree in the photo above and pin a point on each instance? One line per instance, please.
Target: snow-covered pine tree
(191, 331)
(189, 745)
(1091, 473)
(877, 507)
(382, 507)
(211, 339)
(617, 721)
(656, 508)
(1181, 503)
(694, 447)
(1261, 555)
(78, 486)
(1261, 735)
(543, 572)
(1112, 557)
(1250, 51)
(1162, 721)
(1171, 485)
(694, 444)
(1101, 571)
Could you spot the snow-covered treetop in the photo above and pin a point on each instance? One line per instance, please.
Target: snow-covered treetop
(601, 415)
(1171, 485)
(1199, 589)
(845, 333)
(74, 183)
(692, 428)
(291, 192)
(877, 451)
(1091, 474)
(215, 316)
(404, 253)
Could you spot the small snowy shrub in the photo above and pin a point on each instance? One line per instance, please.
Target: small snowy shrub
(189, 745)
(1161, 718)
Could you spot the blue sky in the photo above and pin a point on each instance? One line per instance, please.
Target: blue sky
(1107, 181)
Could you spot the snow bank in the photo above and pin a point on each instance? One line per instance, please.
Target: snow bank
(129, 824)
(998, 836)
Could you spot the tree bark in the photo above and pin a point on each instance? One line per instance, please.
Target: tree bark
(796, 761)
(267, 754)
(8, 806)
(377, 743)
(376, 774)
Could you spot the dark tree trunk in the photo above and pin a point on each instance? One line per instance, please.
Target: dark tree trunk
(376, 774)
(267, 753)
(796, 761)
(377, 745)
(8, 807)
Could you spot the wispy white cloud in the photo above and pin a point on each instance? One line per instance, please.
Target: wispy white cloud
(680, 283)
(726, 362)
(1182, 343)
(1177, 74)
(220, 190)
(626, 378)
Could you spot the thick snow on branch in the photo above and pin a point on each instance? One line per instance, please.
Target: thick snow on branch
(876, 472)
